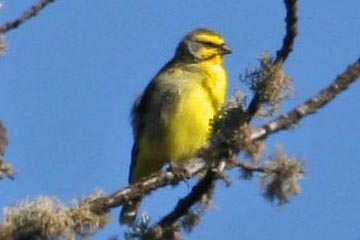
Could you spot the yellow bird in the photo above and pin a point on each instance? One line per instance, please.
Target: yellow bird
(171, 119)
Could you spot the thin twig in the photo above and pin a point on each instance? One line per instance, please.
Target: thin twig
(33, 11)
(246, 166)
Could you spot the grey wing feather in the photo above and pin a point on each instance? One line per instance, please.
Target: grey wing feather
(138, 121)
(163, 100)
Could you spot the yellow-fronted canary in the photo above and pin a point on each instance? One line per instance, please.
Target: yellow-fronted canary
(171, 119)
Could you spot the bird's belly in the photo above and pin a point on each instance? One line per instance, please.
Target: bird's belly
(188, 129)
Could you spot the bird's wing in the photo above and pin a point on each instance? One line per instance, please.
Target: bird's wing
(138, 121)
(149, 111)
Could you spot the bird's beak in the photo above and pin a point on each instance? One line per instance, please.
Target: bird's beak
(225, 49)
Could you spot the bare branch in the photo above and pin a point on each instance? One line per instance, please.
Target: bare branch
(341, 83)
(291, 31)
(246, 166)
(146, 185)
(33, 11)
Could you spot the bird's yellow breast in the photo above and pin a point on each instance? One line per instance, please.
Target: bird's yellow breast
(189, 128)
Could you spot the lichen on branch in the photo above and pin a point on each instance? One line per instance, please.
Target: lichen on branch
(47, 218)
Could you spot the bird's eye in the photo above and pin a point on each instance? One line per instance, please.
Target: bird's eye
(210, 44)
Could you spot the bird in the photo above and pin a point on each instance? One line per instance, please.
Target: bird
(171, 119)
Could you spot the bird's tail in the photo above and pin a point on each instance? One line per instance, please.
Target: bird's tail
(129, 212)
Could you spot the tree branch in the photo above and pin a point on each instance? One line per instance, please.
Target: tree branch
(341, 83)
(282, 54)
(33, 11)
(204, 186)
(147, 185)
(246, 166)
(291, 31)
(184, 205)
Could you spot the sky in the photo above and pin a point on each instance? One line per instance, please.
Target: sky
(70, 76)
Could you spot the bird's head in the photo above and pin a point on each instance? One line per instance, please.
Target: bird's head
(201, 45)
